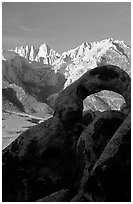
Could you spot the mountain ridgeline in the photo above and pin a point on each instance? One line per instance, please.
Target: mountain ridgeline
(81, 152)
(32, 78)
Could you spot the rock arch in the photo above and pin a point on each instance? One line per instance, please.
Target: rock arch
(69, 104)
(43, 156)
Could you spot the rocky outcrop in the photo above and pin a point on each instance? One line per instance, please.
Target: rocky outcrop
(74, 156)
(89, 55)
(59, 196)
(41, 160)
(110, 178)
(96, 136)
(69, 104)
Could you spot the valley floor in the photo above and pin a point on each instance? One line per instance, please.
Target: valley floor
(13, 124)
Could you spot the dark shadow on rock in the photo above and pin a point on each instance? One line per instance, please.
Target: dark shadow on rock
(69, 104)
(39, 162)
(45, 159)
(8, 94)
(110, 178)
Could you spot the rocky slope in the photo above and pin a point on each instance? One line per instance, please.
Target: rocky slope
(83, 152)
(74, 156)
(43, 72)
(27, 85)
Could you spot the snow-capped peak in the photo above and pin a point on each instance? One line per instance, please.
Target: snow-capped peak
(42, 54)
(86, 52)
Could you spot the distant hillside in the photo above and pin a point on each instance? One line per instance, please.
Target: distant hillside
(33, 77)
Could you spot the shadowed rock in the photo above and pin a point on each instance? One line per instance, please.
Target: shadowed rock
(69, 104)
(43, 160)
(59, 196)
(124, 109)
(88, 116)
(95, 137)
(39, 162)
(122, 135)
(110, 178)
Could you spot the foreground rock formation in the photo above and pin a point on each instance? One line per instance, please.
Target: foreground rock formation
(74, 156)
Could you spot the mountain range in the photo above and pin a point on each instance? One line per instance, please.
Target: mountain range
(33, 77)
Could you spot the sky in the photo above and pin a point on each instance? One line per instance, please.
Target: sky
(64, 25)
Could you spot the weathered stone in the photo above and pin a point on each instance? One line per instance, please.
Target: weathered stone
(110, 178)
(37, 138)
(39, 162)
(88, 116)
(124, 109)
(96, 136)
(122, 135)
(43, 159)
(59, 196)
(69, 104)
(79, 197)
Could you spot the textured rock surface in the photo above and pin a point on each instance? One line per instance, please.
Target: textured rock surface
(40, 161)
(69, 104)
(96, 136)
(59, 196)
(110, 178)
(67, 158)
